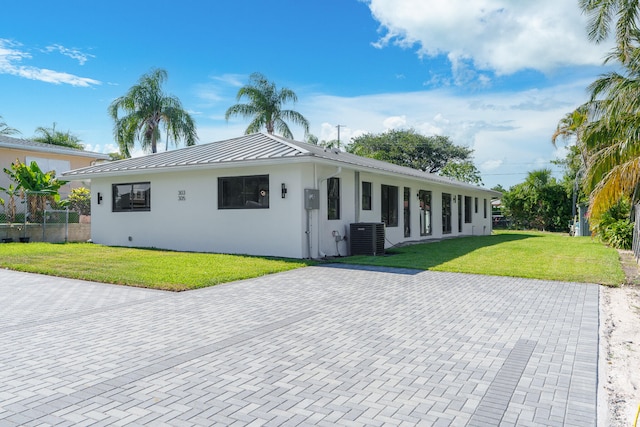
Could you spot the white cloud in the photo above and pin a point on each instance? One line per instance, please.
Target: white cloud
(502, 36)
(102, 148)
(71, 53)
(235, 80)
(491, 165)
(219, 88)
(395, 122)
(11, 56)
(509, 131)
(329, 132)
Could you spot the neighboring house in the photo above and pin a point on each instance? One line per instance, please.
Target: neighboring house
(48, 157)
(261, 194)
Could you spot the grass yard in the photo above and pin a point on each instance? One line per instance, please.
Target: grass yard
(535, 255)
(548, 256)
(174, 271)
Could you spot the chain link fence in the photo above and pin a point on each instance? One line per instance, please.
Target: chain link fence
(36, 217)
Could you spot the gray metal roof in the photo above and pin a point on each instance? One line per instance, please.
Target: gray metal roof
(25, 144)
(249, 148)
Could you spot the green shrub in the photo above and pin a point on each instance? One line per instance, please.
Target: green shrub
(613, 227)
(80, 200)
(619, 234)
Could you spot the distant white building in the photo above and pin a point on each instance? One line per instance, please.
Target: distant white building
(261, 194)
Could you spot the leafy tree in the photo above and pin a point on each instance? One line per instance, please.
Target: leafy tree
(147, 109)
(540, 202)
(116, 156)
(55, 137)
(409, 148)
(264, 106)
(5, 129)
(574, 169)
(464, 171)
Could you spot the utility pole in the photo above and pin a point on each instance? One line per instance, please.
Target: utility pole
(339, 126)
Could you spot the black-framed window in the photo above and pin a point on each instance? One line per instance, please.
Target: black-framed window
(476, 204)
(467, 209)
(389, 205)
(407, 211)
(130, 197)
(446, 213)
(243, 192)
(333, 198)
(485, 208)
(366, 196)
(425, 212)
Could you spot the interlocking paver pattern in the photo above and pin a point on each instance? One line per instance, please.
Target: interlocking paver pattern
(317, 346)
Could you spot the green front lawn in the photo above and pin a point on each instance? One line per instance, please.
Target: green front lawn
(175, 271)
(549, 256)
(546, 256)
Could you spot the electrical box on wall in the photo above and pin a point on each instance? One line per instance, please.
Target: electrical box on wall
(311, 199)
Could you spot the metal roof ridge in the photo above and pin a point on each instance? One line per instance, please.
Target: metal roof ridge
(289, 144)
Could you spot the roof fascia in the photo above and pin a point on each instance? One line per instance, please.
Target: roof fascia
(54, 150)
(274, 162)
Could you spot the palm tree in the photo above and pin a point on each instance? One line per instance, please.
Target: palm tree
(146, 110)
(265, 107)
(607, 127)
(572, 127)
(624, 14)
(55, 137)
(612, 138)
(5, 129)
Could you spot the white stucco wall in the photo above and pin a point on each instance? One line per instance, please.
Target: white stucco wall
(479, 225)
(196, 223)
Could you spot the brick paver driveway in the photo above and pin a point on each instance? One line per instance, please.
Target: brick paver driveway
(315, 346)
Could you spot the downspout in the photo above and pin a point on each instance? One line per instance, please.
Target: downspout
(319, 181)
(308, 228)
(357, 196)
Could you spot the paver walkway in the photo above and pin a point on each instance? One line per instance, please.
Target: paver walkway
(314, 346)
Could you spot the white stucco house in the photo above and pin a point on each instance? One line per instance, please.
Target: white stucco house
(261, 194)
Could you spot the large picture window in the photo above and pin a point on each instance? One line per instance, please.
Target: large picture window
(243, 192)
(131, 197)
(389, 205)
(333, 198)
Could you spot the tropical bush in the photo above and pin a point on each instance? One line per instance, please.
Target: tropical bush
(80, 200)
(619, 234)
(39, 188)
(613, 227)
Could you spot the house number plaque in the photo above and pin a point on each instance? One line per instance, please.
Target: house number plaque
(182, 195)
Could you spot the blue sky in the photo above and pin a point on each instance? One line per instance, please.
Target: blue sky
(494, 75)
